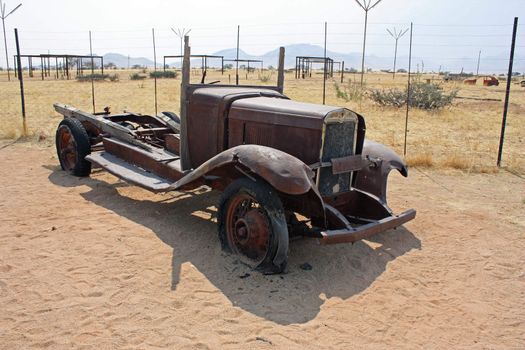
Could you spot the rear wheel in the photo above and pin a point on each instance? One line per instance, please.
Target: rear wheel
(72, 143)
(252, 224)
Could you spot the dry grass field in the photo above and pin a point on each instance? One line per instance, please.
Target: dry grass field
(95, 263)
(464, 136)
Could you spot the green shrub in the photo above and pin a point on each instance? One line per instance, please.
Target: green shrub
(163, 74)
(389, 97)
(137, 76)
(422, 95)
(95, 76)
(113, 77)
(351, 91)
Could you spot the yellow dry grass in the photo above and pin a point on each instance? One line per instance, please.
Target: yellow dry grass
(464, 136)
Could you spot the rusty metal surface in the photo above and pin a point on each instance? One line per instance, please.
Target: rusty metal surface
(207, 118)
(286, 139)
(350, 163)
(281, 112)
(350, 235)
(373, 179)
(128, 172)
(164, 165)
(172, 143)
(283, 171)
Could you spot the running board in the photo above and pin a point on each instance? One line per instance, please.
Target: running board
(128, 172)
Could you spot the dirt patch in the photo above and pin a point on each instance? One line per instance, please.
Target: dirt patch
(96, 263)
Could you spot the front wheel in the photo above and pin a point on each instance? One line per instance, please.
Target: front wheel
(252, 224)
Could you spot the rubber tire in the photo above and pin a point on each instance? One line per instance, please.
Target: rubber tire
(277, 257)
(82, 166)
(172, 116)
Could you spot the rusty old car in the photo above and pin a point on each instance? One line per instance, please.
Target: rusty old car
(285, 167)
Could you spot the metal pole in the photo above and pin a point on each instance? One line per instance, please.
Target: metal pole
(364, 47)
(92, 72)
(408, 89)
(324, 70)
(154, 67)
(21, 79)
(507, 91)
(237, 60)
(6, 54)
(395, 59)
(479, 58)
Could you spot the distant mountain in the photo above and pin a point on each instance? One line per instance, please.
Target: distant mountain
(495, 64)
(121, 61)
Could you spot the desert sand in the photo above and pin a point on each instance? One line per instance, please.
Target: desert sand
(95, 263)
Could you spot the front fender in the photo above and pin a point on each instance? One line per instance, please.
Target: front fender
(284, 172)
(373, 179)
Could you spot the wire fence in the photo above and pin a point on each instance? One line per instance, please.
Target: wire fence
(464, 136)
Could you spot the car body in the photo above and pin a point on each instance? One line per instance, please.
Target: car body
(285, 167)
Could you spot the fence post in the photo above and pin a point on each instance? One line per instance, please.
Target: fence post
(324, 69)
(92, 72)
(507, 92)
(154, 68)
(408, 89)
(280, 72)
(185, 82)
(21, 79)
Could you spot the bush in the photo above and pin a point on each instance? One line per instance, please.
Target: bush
(265, 77)
(113, 77)
(422, 95)
(88, 77)
(137, 76)
(163, 74)
(351, 91)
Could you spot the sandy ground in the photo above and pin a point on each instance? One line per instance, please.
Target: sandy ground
(97, 264)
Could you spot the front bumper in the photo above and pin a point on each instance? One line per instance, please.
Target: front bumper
(352, 234)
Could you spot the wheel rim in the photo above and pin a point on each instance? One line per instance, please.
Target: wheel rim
(67, 148)
(248, 229)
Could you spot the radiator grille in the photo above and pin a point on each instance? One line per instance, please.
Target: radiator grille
(339, 141)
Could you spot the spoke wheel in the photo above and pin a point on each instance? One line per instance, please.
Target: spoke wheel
(248, 228)
(67, 148)
(73, 145)
(252, 225)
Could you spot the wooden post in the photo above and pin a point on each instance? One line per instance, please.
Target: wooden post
(66, 62)
(342, 72)
(184, 151)
(280, 72)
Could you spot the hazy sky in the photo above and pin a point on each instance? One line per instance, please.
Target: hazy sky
(444, 29)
